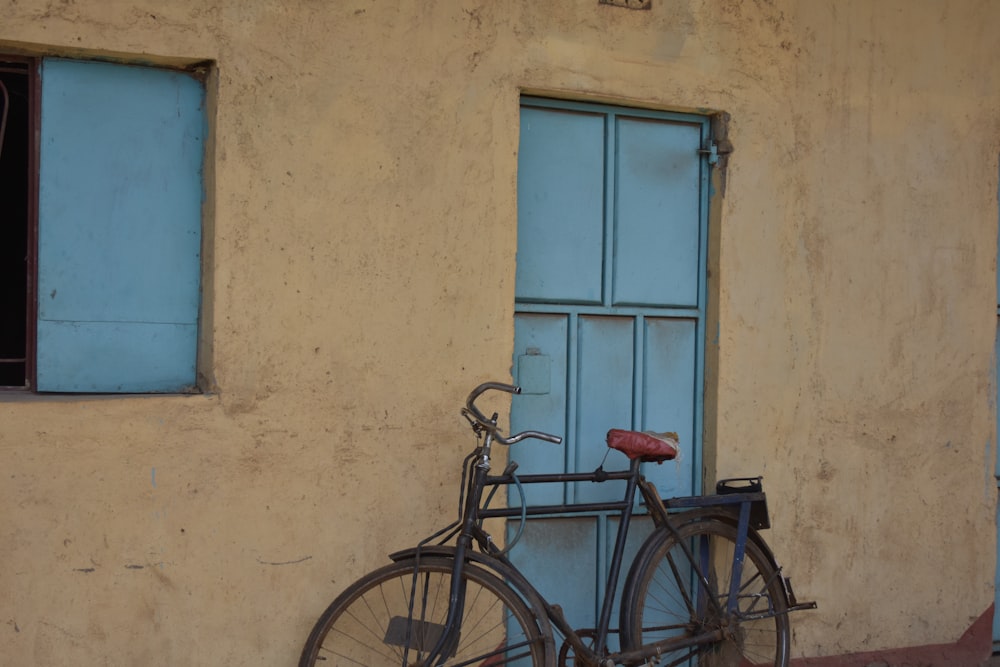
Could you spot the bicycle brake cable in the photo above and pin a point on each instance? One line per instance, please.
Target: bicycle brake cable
(523, 517)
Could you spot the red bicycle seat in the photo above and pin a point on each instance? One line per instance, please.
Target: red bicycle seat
(646, 446)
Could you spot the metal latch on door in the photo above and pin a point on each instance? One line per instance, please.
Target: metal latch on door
(534, 372)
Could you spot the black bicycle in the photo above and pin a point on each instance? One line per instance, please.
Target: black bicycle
(703, 589)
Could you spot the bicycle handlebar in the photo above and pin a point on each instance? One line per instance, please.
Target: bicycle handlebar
(490, 425)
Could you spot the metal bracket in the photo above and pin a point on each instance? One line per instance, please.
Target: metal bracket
(714, 152)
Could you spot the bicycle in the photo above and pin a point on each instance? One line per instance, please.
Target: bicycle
(703, 589)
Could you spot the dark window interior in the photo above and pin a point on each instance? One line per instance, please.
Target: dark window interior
(14, 223)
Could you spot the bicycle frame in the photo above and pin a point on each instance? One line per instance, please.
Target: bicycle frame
(469, 530)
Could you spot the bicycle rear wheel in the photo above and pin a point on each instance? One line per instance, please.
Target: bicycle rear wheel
(663, 599)
(394, 616)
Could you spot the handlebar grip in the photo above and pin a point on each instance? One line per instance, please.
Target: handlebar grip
(524, 435)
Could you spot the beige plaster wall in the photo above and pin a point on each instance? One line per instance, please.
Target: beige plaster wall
(362, 241)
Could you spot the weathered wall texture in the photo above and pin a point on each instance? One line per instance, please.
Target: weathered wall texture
(360, 280)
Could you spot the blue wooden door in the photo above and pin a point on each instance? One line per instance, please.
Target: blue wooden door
(609, 323)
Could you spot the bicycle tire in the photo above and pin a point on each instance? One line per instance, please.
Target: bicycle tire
(660, 600)
(369, 623)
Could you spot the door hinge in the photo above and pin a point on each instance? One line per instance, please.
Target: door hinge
(712, 150)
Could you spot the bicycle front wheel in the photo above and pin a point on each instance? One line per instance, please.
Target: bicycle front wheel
(666, 599)
(394, 617)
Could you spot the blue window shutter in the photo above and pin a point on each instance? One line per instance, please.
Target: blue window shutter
(119, 228)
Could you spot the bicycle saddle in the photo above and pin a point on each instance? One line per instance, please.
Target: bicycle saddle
(645, 446)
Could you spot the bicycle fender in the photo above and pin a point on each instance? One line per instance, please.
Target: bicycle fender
(507, 573)
(732, 516)
(727, 514)
(719, 513)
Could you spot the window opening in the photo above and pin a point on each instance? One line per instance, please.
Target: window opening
(15, 249)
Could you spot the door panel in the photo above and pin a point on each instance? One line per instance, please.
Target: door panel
(639, 530)
(656, 246)
(541, 557)
(560, 187)
(670, 386)
(604, 397)
(541, 340)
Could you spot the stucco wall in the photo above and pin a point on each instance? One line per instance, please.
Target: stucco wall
(359, 281)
